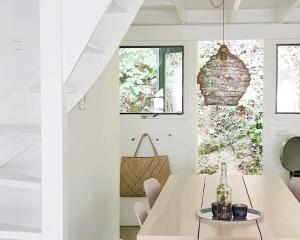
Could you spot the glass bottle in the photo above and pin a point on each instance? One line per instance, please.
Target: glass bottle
(224, 195)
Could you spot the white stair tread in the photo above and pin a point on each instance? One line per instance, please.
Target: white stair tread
(17, 180)
(20, 131)
(15, 232)
(36, 88)
(117, 6)
(21, 128)
(93, 47)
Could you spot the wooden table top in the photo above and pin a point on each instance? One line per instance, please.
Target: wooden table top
(173, 214)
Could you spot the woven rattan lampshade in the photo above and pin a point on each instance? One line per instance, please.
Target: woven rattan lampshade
(223, 79)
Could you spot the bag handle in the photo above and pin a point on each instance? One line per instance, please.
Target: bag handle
(140, 142)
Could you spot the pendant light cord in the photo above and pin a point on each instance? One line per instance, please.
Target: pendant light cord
(222, 3)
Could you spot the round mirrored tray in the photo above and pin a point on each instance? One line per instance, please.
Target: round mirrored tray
(252, 215)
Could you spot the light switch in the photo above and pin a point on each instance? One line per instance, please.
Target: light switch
(17, 46)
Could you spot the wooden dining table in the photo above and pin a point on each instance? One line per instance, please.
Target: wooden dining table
(173, 216)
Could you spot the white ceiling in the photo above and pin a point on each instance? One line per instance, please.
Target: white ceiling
(162, 12)
(205, 4)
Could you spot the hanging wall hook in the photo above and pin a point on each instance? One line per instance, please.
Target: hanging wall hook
(82, 105)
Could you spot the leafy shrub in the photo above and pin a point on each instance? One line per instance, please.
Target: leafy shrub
(208, 169)
(138, 79)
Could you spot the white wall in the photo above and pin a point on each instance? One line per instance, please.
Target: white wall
(19, 22)
(277, 127)
(93, 166)
(182, 146)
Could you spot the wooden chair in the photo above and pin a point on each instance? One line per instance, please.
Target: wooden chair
(294, 186)
(140, 212)
(152, 188)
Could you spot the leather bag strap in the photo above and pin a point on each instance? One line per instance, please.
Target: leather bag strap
(140, 142)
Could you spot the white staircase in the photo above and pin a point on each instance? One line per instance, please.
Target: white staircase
(18, 180)
(18, 231)
(90, 48)
(16, 142)
(80, 18)
(100, 47)
(15, 232)
(92, 31)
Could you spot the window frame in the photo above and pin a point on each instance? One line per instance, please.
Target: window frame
(276, 91)
(183, 89)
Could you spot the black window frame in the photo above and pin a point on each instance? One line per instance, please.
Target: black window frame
(276, 93)
(183, 82)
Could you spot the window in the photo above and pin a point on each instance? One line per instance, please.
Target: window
(233, 134)
(288, 78)
(151, 80)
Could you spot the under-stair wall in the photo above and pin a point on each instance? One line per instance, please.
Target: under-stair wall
(93, 166)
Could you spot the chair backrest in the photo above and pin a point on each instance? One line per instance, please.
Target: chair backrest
(140, 212)
(152, 189)
(294, 186)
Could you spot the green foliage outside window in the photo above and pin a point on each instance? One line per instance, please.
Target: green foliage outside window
(233, 133)
(138, 78)
(151, 79)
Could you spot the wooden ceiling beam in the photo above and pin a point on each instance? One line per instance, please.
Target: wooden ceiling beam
(155, 3)
(180, 9)
(284, 12)
(235, 9)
